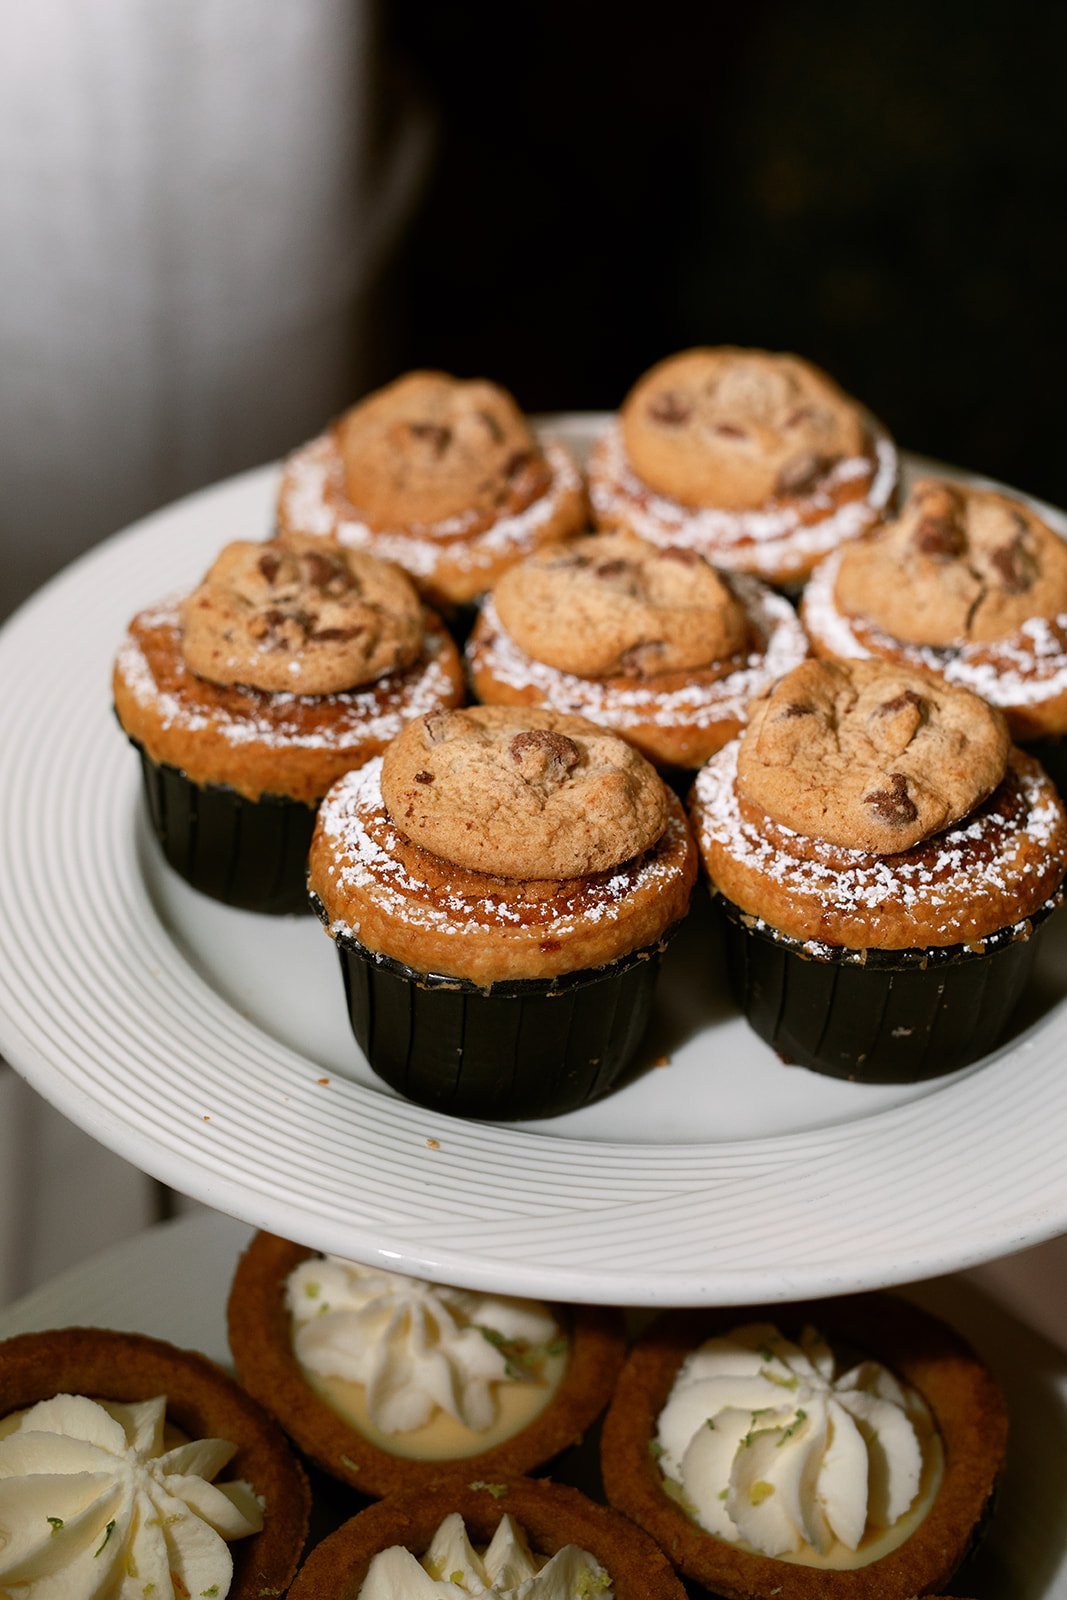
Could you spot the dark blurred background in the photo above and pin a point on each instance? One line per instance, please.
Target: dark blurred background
(221, 223)
(881, 188)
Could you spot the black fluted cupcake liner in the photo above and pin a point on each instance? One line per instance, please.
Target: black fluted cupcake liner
(246, 853)
(1052, 754)
(879, 1016)
(507, 1051)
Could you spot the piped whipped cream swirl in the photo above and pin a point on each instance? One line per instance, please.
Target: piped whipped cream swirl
(507, 1568)
(416, 1347)
(94, 1507)
(773, 1447)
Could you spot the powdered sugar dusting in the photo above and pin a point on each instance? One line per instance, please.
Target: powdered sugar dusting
(782, 645)
(312, 500)
(762, 541)
(946, 873)
(366, 847)
(374, 713)
(1024, 669)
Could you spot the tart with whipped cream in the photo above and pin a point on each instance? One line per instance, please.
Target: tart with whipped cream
(884, 859)
(127, 1464)
(967, 583)
(512, 1538)
(499, 888)
(757, 461)
(843, 1450)
(287, 666)
(388, 1381)
(444, 477)
(647, 640)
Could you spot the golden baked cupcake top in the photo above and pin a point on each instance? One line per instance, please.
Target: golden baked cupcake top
(300, 618)
(869, 756)
(614, 605)
(429, 448)
(736, 428)
(522, 793)
(959, 565)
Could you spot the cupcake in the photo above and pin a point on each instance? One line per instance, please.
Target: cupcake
(969, 584)
(844, 1450)
(757, 461)
(884, 859)
(441, 476)
(646, 640)
(286, 667)
(387, 1381)
(499, 887)
(516, 1539)
(123, 1459)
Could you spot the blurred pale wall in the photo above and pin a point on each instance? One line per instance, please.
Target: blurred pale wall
(198, 202)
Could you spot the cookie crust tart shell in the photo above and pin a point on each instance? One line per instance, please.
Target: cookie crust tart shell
(202, 1401)
(451, 562)
(676, 719)
(261, 1341)
(550, 1514)
(964, 1399)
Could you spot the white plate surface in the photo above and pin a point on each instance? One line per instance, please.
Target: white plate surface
(210, 1046)
(172, 1281)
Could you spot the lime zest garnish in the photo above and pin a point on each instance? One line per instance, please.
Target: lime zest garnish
(760, 1491)
(108, 1531)
(787, 1433)
(346, 1461)
(495, 1489)
(655, 1449)
(55, 1522)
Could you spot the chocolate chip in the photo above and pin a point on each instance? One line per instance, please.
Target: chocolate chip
(322, 571)
(269, 564)
(1014, 565)
(546, 753)
(435, 435)
(893, 805)
(671, 409)
(727, 430)
(515, 463)
(335, 635)
(907, 697)
(678, 552)
(424, 777)
(572, 562)
(496, 432)
(942, 538)
(802, 473)
(793, 710)
(615, 568)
